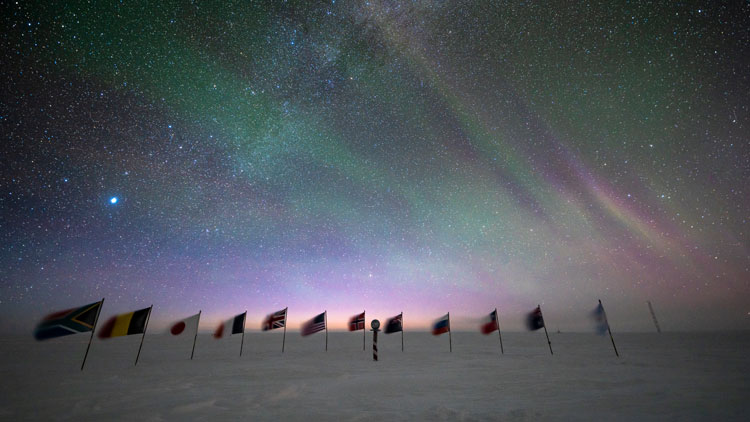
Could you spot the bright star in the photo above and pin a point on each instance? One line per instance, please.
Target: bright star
(113, 200)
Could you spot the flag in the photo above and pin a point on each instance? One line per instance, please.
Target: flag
(179, 327)
(275, 320)
(69, 321)
(357, 322)
(443, 325)
(125, 324)
(314, 325)
(600, 319)
(534, 320)
(231, 326)
(490, 323)
(395, 324)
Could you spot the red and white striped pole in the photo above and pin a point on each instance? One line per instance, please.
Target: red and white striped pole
(375, 324)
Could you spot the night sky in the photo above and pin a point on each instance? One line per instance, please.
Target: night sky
(425, 157)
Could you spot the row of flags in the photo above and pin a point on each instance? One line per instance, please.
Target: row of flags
(84, 319)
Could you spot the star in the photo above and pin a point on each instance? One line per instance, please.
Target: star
(113, 200)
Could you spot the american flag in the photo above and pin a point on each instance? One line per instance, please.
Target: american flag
(357, 322)
(275, 320)
(314, 325)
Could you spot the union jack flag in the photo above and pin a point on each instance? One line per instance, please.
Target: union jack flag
(275, 320)
(357, 322)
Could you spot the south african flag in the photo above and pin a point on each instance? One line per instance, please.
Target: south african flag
(69, 321)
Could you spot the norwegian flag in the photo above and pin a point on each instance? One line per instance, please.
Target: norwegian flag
(357, 322)
(275, 320)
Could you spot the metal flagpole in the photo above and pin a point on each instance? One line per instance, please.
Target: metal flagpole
(653, 316)
(544, 325)
(402, 331)
(610, 331)
(497, 321)
(92, 333)
(286, 321)
(242, 343)
(325, 320)
(450, 339)
(364, 332)
(197, 324)
(145, 327)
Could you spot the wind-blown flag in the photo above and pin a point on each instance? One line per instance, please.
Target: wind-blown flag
(357, 322)
(125, 324)
(275, 320)
(69, 321)
(441, 326)
(231, 326)
(179, 327)
(534, 320)
(395, 324)
(600, 320)
(490, 323)
(314, 325)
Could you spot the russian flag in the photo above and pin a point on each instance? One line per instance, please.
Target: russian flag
(441, 326)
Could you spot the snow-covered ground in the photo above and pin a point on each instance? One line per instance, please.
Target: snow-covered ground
(672, 376)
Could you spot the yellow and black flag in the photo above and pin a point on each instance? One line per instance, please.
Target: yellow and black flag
(125, 324)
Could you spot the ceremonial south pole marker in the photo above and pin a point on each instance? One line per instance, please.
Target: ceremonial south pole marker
(375, 324)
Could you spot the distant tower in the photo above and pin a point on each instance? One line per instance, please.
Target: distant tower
(653, 316)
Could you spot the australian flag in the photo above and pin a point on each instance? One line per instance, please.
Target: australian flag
(357, 322)
(534, 320)
(70, 321)
(395, 324)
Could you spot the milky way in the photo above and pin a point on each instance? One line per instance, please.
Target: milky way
(425, 157)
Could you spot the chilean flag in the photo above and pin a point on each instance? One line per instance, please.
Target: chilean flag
(490, 323)
(443, 325)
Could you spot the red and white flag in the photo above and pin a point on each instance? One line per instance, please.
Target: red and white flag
(490, 323)
(185, 325)
(357, 322)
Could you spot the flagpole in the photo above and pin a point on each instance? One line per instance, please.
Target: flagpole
(450, 340)
(364, 332)
(145, 327)
(92, 332)
(242, 343)
(325, 319)
(608, 329)
(402, 331)
(653, 316)
(544, 325)
(497, 321)
(197, 324)
(286, 321)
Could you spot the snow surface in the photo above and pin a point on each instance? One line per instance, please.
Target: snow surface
(669, 376)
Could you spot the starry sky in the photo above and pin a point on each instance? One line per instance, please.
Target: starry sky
(417, 156)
